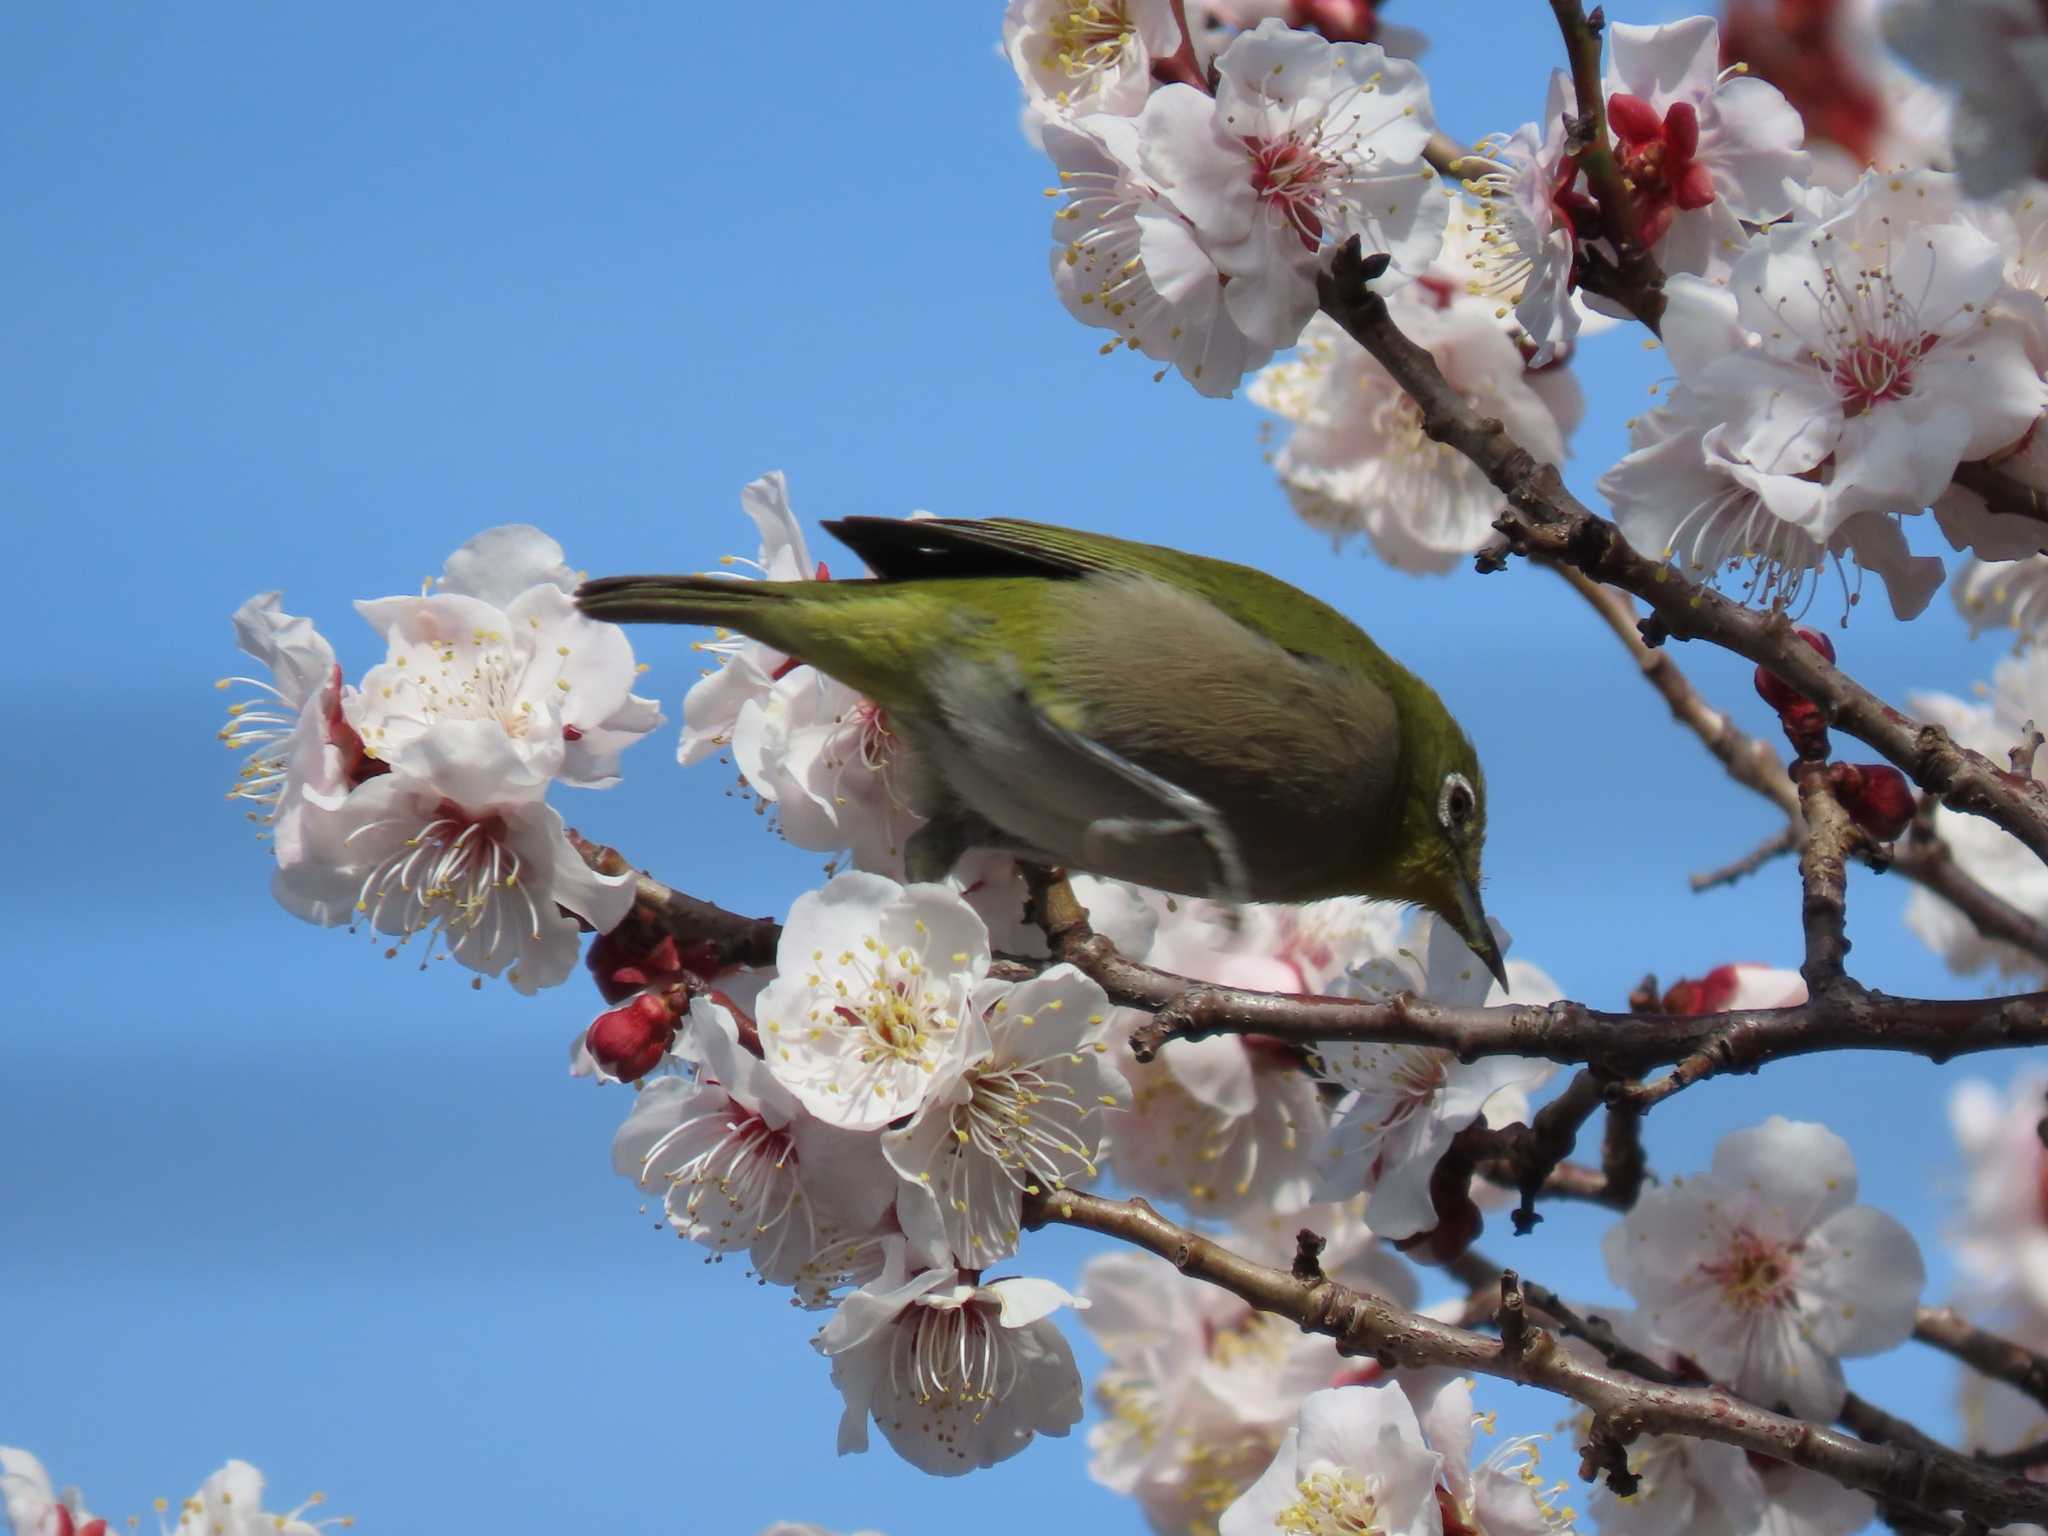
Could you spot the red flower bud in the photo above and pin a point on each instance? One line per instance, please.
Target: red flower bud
(1805, 727)
(1876, 796)
(1633, 118)
(1341, 21)
(1703, 994)
(631, 958)
(629, 1042)
(1773, 689)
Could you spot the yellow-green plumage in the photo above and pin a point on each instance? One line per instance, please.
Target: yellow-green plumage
(1135, 711)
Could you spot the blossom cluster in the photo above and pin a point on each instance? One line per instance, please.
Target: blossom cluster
(413, 802)
(228, 1503)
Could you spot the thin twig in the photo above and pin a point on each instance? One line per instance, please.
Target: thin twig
(1775, 846)
(1823, 877)
(1983, 1351)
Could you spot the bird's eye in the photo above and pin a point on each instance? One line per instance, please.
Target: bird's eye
(1455, 802)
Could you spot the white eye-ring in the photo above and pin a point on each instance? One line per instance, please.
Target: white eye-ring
(1455, 802)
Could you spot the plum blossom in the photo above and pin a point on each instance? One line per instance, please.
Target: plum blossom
(1681, 494)
(958, 1375)
(1994, 53)
(34, 1507)
(557, 684)
(1404, 1104)
(1359, 461)
(1126, 259)
(1341, 21)
(1200, 1387)
(481, 869)
(1523, 184)
(1765, 1272)
(1306, 144)
(740, 1165)
(1994, 858)
(747, 669)
(230, 1503)
(302, 755)
(822, 755)
(1704, 150)
(1857, 355)
(1078, 56)
(1356, 1462)
(1744, 984)
(800, 1528)
(2001, 1242)
(868, 1013)
(1504, 1494)
(2004, 594)
(1020, 1113)
(833, 767)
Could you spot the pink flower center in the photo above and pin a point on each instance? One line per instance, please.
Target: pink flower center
(67, 1527)
(1657, 156)
(1874, 369)
(1756, 1273)
(1289, 177)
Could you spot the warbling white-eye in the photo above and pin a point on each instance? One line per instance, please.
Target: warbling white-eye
(1133, 711)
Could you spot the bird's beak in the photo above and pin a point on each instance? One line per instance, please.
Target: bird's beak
(1477, 932)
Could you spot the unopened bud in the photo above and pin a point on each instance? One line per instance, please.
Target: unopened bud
(1778, 693)
(631, 959)
(1805, 727)
(1341, 21)
(628, 1042)
(1876, 796)
(1742, 984)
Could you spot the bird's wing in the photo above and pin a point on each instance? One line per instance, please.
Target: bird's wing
(1162, 735)
(906, 548)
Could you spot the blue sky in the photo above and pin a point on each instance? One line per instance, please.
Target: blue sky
(303, 297)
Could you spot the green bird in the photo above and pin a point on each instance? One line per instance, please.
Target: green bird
(1152, 716)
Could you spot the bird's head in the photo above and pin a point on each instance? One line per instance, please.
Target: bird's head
(1442, 834)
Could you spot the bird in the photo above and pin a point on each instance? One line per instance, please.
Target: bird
(1127, 710)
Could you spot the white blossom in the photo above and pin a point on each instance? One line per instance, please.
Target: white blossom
(1359, 461)
(301, 755)
(1704, 150)
(457, 847)
(1127, 260)
(557, 684)
(1079, 56)
(1200, 1388)
(867, 1013)
(2004, 594)
(2001, 1241)
(1526, 239)
(1405, 1103)
(1765, 1271)
(1503, 1494)
(34, 1507)
(1306, 144)
(1020, 1113)
(230, 1503)
(957, 1375)
(1856, 356)
(739, 1163)
(1994, 858)
(747, 669)
(1681, 495)
(1357, 1462)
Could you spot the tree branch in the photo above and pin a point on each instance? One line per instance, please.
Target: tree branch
(1986, 1353)
(1625, 1405)
(1823, 878)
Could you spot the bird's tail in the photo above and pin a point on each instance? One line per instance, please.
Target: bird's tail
(722, 601)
